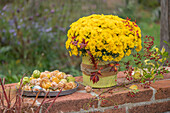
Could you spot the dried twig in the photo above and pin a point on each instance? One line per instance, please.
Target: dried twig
(18, 98)
(9, 95)
(1, 99)
(53, 101)
(4, 92)
(4, 81)
(35, 98)
(42, 101)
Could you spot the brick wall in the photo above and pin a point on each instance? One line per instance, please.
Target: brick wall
(155, 99)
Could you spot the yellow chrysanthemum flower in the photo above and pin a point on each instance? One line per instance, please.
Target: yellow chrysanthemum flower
(107, 37)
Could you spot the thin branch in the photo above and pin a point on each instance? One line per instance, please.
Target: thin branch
(1, 99)
(9, 95)
(4, 92)
(19, 95)
(54, 100)
(35, 98)
(42, 101)
(3, 81)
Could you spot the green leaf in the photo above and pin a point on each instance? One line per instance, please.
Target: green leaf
(159, 52)
(149, 69)
(137, 90)
(148, 75)
(154, 80)
(160, 76)
(32, 86)
(5, 49)
(167, 71)
(157, 66)
(144, 71)
(139, 65)
(133, 87)
(142, 80)
(159, 72)
(165, 42)
(165, 54)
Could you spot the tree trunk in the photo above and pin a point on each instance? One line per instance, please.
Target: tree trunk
(165, 25)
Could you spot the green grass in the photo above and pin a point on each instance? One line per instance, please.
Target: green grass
(33, 33)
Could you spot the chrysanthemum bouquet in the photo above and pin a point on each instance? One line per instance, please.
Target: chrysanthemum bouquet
(102, 40)
(105, 37)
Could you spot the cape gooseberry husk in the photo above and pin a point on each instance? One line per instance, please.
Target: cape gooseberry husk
(18, 85)
(25, 80)
(36, 73)
(137, 75)
(70, 79)
(63, 80)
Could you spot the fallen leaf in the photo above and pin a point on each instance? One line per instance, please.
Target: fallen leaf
(134, 87)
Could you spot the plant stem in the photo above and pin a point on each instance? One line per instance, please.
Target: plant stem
(4, 92)
(36, 98)
(42, 101)
(53, 101)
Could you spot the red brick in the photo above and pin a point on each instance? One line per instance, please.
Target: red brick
(121, 110)
(11, 85)
(73, 102)
(121, 74)
(167, 76)
(163, 89)
(26, 105)
(7, 86)
(29, 109)
(96, 112)
(152, 108)
(121, 81)
(79, 79)
(120, 96)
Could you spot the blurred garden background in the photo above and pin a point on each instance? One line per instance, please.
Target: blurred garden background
(33, 32)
